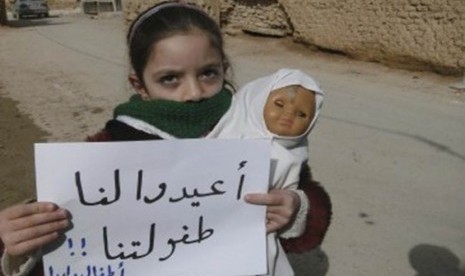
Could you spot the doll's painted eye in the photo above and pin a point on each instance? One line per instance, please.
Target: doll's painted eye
(279, 103)
(301, 114)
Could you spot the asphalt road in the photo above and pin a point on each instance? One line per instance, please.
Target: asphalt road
(389, 146)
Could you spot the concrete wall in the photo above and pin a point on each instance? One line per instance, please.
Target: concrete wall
(265, 17)
(63, 4)
(409, 33)
(413, 34)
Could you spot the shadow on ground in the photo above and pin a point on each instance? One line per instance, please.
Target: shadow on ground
(314, 263)
(17, 137)
(432, 260)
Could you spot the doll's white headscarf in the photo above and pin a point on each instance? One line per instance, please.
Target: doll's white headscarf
(245, 117)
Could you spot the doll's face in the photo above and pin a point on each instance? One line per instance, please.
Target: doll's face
(289, 110)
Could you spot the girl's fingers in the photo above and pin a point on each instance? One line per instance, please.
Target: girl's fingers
(282, 220)
(281, 206)
(22, 210)
(286, 211)
(273, 224)
(256, 199)
(37, 219)
(263, 199)
(272, 227)
(275, 197)
(26, 227)
(32, 245)
(13, 239)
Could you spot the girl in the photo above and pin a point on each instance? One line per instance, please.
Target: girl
(179, 65)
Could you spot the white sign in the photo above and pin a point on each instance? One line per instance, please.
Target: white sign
(167, 207)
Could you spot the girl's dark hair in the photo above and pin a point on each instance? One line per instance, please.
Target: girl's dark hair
(148, 29)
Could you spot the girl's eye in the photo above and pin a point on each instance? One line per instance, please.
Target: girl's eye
(168, 80)
(279, 103)
(209, 74)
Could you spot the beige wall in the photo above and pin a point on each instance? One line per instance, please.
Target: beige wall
(63, 4)
(422, 33)
(414, 34)
(265, 17)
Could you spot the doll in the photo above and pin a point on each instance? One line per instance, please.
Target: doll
(283, 107)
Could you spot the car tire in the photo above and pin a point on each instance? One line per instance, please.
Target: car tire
(47, 14)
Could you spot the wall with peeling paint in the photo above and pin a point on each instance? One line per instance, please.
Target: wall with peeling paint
(413, 34)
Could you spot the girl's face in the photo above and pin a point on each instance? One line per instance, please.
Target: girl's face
(289, 110)
(183, 67)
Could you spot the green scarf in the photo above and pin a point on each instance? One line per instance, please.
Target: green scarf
(180, 119)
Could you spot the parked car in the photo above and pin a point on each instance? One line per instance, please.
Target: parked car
(23, 8)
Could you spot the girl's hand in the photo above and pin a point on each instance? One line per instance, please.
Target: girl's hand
(25, 228)
(282, 206)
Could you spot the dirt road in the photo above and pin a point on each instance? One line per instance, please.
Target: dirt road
(389, 147)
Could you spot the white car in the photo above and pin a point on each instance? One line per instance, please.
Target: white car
(23, 8)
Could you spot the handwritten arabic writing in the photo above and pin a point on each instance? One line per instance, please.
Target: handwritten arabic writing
(91, 270)
(187, 193)
(71, 246)
(201, 235)
(122, 251)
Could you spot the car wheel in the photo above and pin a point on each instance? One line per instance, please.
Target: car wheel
(47, 14)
